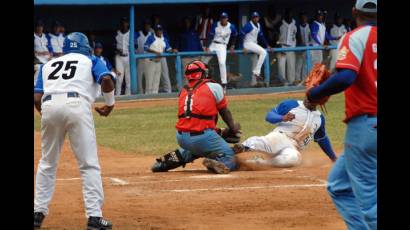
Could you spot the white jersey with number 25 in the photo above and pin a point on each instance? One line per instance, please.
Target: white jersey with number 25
(72, 72)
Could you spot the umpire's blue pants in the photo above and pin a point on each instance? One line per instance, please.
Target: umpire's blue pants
(193, 147)
(352, 182)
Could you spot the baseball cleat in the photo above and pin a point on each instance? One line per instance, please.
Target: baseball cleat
(38, 219)
(98, 223)
(215, 166)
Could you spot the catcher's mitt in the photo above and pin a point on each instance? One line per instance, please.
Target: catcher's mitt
(317, 76)
(230, 136)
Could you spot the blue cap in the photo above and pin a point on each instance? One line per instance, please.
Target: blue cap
(98, 45)
(224, 15)
(368, 6)
(39, 22)
(255, 14)
(157, 27)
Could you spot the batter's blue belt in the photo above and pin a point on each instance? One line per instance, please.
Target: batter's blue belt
(69, 94)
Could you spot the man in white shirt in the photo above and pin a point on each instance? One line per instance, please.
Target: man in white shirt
(287, 39)
(42, 48)
(338, 30)
(141, 38)
(156, 43)
(56, 39)
(303, 39)
(122, 59)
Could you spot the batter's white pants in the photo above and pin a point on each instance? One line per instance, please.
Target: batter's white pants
(141, 73)
(72, 116)
(220, 50)
(165, 76)
(282, 149)
(122, 64)
(317, 56)
(286, 66)
(301, 67)
(333, 59)
(261, 52)
(153, 76)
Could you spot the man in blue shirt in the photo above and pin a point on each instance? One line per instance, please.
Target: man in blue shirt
(188, 40)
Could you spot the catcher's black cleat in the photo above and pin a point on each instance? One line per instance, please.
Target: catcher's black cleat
(215, 166)
(98, 223)
(169, 161)
(38, 219)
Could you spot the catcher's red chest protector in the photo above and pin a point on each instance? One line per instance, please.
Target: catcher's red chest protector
(197, 108)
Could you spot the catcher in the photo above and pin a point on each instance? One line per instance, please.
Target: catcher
(298, 123)
(200, 101)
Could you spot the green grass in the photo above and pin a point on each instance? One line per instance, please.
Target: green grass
(151, 131)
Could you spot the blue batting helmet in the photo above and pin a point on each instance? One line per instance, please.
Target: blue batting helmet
(76, 42)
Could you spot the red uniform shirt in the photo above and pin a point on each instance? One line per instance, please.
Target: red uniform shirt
(206, 100)
(358, 51)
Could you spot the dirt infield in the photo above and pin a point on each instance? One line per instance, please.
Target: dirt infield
(191, 198)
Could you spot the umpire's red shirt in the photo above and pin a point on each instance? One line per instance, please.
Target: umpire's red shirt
(206, 100)
(358, 51)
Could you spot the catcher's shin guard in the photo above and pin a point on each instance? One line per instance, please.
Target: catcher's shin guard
(169, 161)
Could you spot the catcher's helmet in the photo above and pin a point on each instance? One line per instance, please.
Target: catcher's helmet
(196, 70)
(76, 42)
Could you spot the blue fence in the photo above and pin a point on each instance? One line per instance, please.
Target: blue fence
(179, 55)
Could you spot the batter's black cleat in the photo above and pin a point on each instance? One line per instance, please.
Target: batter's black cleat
(240, 148)
(215, 166)
(98, 223)
(38, 219)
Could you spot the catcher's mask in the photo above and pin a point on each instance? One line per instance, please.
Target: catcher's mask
(196, 70)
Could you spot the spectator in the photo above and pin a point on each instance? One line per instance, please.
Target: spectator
(42, 52)
(203, 25)
(141, 38)
(287, 39)
(337, 31)
(223, 34)
(188, 40)
(122, 59)
(165, 81)
(250, 34)
(319, 35)
(157, 44)
(272, 22)
(56, 39)
(303, 39)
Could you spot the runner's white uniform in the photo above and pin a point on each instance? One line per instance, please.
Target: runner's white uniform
(70, 84)
(288, 138)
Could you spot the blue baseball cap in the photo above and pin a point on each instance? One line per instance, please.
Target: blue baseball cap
(157, 27)
(98, 45)
(368, 6)
(39, 22)
(255, 14)
(224, 15)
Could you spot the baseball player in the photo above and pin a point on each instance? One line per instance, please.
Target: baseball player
(203, 25)
(56, 39)
(165, 82)
(223, 34)
(303, 39)
(200, 101)
(297, 124)
(338, 30)
(250, 34)
(98, 50)
(141, 38)
(42, 51)
(156, 43)
(122, 60)
(352, 182)
(63, 95)
(319, 35)
(287, 38)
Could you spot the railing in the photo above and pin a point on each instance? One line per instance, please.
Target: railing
(266, 66)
